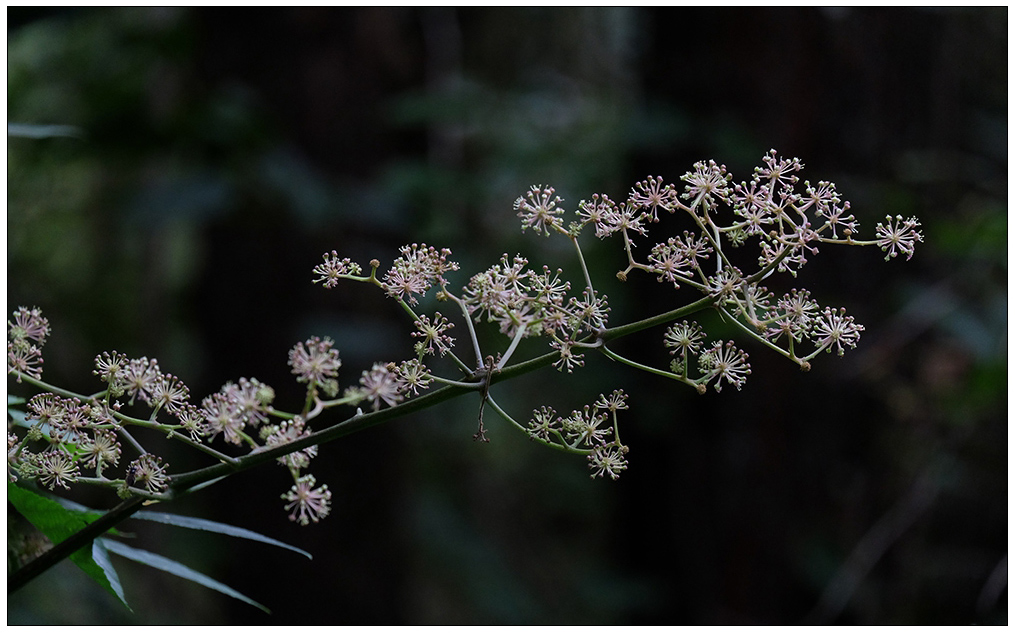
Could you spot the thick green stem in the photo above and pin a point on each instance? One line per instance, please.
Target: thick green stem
(621, 331)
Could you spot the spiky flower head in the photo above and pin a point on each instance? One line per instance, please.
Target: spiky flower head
(433, 335)
(334, 269)
(306, 503)
(29, 324)
(316, 362)
(100, 450)
(725, 362)
(608, 460)
(896, 236)
(538, 209)
(835, 329)
(287, 432)
(381, 383)
(55, 467)
(149, 472)
(651, 194)
(416, 270)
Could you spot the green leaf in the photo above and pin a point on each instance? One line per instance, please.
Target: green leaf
(18, 415)
(219, 528)
(101, 557)
(180, 570)
(59, 523)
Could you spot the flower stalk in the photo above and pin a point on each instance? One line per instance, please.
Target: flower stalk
(69, 437)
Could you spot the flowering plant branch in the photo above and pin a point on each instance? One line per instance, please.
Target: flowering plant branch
(65, 437)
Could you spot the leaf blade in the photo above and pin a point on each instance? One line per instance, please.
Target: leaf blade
(101, 558)
(178, 569)
(190, 522)
(59, 523)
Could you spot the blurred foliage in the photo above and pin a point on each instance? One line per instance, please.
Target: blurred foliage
(222, 151)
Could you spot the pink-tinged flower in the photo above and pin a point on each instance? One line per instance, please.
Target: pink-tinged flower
(792, 315)
(607, 461)
(24, 358)
(416, 270)
(678, 257)
(250, 399)
(590, 312)
(334, 269)
(898, 236)
(101, 415)
(626, 218)
(148, 471)
(544, 422)
(568, 358)
(833, 329)
(56, 417)
(46, 407)
(28, 325)
(56, 468)
(415, 376)
(316, 362)
(498, 291)
(708, 182)
(651, 194)
(139, 378)
(695, 248)
(583, 426)
(547, 288)
(307, 503)
(287, 432)
(799, 243)
(822, 198)
(170, 393)
(599, 212)
(538, 209)
(13, 452)
(668, 261)
(753, 203)
(779, 172)
(380, 383)
(192, 419)
(110, 368)
(71, 421)
(100, 450)
(432, 334)
(729, 363)
(616, 401)
(724, 284)
(683, 337)
(220, 414)
(838, 218)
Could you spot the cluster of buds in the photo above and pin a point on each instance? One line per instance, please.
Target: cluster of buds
(787, 220)
(25, 338)
(593, 430)
(68, 438)
(71, 438)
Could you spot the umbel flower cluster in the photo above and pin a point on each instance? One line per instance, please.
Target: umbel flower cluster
(737, 236)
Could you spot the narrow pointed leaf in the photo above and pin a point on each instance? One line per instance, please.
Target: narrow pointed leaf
(59, 523)
(216, 527)
(175, 568)
(101, 558)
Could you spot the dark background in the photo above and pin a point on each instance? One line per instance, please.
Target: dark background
(221, 152)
